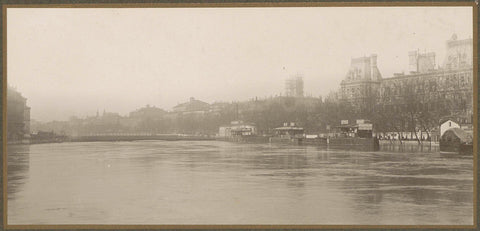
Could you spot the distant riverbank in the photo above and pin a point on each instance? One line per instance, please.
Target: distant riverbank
(113, 138)
(176, 137)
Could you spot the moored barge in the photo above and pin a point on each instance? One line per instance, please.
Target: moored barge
(238, 131)
(358, 136)
(289, 133)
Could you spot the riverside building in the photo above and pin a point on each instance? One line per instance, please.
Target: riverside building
(18, 117)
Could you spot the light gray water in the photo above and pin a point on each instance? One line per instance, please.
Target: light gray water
(213, 182)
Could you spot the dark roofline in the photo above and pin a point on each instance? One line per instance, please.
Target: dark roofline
(433, 72)
(189, 102)
(289, 128)
(460, 133)
(453, 118)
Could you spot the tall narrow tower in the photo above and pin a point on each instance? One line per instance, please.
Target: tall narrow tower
(294, 86)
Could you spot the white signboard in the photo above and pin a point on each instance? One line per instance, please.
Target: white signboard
(365, 127)
(344, 122)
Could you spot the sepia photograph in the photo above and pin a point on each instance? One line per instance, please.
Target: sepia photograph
(258, 115)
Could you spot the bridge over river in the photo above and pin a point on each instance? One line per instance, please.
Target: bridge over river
(137, 136)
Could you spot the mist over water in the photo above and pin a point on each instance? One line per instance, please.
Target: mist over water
(213, 182)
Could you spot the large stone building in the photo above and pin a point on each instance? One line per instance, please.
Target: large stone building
(18, 116)
(425, 87)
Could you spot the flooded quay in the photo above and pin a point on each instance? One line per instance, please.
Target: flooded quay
(214, 182)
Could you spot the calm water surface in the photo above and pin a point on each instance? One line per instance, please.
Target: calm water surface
(212, 182)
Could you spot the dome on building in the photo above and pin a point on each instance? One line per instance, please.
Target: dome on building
(454, 36)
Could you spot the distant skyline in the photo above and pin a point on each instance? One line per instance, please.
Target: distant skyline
(73, 62)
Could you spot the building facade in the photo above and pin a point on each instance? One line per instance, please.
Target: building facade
(360, 85)
(18, 116)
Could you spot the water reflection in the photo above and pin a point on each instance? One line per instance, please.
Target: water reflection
(209, 182)
(18, 159)
(410, 147)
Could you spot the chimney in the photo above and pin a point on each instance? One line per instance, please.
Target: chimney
(413, 61)
(373, 67)
(373, 60)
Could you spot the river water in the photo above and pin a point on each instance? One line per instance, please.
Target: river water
(214, 182)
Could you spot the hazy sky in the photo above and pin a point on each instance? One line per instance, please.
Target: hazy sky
(77, 61)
